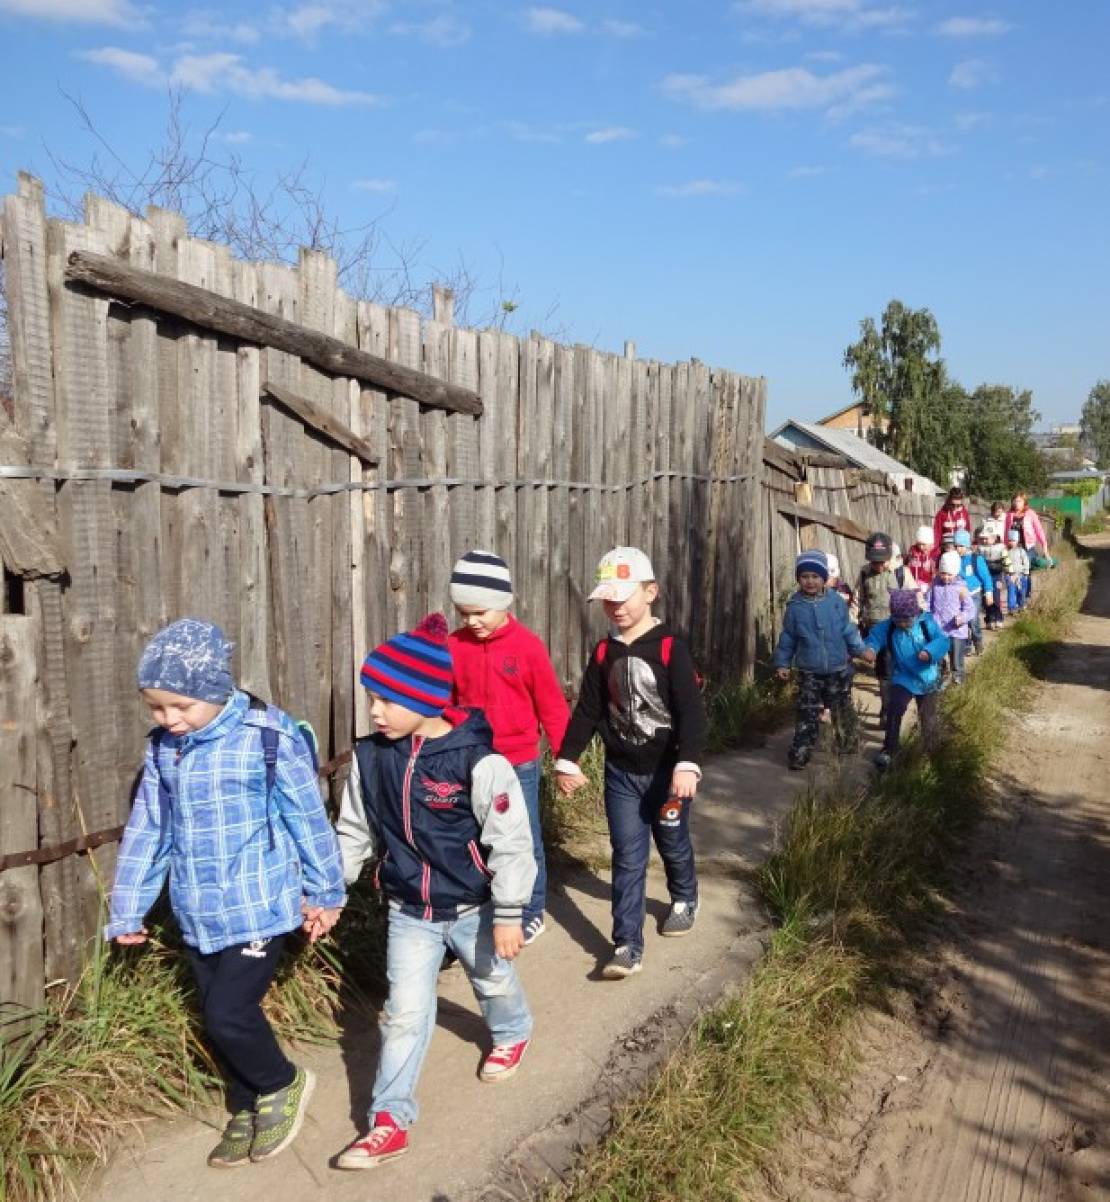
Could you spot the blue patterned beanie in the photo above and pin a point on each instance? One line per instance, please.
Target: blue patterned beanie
(191, 658)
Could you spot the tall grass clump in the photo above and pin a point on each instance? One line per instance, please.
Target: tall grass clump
(857, 873)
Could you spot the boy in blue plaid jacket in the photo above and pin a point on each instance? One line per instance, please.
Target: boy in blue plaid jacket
(229, 809)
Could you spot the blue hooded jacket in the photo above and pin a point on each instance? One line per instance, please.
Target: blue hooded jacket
(976, 574)
(817, 634)
(906, 669)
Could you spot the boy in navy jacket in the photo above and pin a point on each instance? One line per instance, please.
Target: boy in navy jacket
(446, 820)
(819, 639)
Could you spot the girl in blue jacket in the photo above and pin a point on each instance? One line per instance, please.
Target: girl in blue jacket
(916, 647)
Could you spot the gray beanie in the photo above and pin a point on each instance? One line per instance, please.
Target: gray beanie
(482, 578)
(191, 658)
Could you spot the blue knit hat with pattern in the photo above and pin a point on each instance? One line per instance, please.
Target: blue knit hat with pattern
(413, 669)
(812, 561)
(190, 658)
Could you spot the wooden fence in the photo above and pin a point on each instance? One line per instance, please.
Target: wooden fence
(261, 450)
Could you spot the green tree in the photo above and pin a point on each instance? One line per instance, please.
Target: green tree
(1002, 456)
(898, 373)
(1095, 422)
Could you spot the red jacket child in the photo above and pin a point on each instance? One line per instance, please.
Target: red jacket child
(953, 516)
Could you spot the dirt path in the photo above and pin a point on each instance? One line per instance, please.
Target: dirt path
(995, 1085)
(595, 1040)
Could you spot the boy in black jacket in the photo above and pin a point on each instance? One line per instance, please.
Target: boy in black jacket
(640, 693)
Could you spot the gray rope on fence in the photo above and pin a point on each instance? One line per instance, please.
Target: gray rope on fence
(117, 475)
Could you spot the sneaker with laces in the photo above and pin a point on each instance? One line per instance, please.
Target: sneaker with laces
(503, 1061)
(533, 929)
(279, 1116)
(680, 919)
(386, 1141)
(623, 963)
(234, 1148)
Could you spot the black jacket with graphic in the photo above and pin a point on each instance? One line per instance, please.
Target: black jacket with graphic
(648, 712)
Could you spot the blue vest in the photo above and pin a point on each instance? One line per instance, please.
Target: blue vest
(416, 793)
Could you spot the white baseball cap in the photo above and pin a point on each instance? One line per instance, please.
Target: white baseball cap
(619, 572)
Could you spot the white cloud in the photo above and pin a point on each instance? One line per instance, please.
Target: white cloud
(896, 141)
(790, 88)
(139, 68)
(236, 137)
(445, 30)
(376, 185)
(842, 14)
(973, 27)
(972, 73)
(805, 172)
(307, 19)
(700, 187)
(825, 56)
(612, 133)
(549, 21)
(622, 29)
(972, 120)
(223, 72)
(206, 23)
(87, 12)
(521, 131)
(672, 141)
(220, 72)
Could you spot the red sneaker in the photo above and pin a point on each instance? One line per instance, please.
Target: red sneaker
(503, 1061)
(386, 1141)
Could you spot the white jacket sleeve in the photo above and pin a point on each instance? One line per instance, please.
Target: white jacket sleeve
(498, 805)
(357, 842)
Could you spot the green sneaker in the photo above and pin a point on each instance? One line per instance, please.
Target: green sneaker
(280, 1115)
(234, 1148)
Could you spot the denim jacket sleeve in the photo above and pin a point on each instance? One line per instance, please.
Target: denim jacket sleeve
(299, 804)
(144, 855)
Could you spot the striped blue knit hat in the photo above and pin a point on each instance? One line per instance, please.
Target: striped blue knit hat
(413, 669)
(812, 561)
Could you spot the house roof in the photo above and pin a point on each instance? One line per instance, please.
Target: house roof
(852, 447)
(840, 412)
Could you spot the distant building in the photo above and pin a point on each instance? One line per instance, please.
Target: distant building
(815, 436)
(856, 418)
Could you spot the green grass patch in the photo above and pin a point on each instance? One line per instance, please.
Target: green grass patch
(857, 874)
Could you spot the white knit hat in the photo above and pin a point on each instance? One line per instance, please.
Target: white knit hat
(949, 563)
(924, 536)
(482, 578)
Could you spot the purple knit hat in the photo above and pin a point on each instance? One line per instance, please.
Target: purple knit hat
(903, 604)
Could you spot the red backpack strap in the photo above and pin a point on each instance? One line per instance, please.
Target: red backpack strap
(665, 649)
(600, 652)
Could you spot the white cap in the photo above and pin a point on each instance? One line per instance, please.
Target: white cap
(834, 565)
(924, 536)
(949, 563)
(619, 572)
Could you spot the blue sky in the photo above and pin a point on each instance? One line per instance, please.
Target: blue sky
(740, 182)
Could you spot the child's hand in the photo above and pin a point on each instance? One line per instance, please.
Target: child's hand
(132, 939)
(321, 922)
(869, 656)
(508, 940)
(988, 598)
(684, 784)
(782, 673)
(569, 784)
(924, 656)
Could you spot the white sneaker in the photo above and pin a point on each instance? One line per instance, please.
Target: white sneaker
(533, 929)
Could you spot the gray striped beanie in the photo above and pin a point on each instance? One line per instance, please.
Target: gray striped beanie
(482, 578)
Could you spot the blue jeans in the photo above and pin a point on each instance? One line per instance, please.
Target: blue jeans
(957, 648)
(529, 777)
(1016, 593)
(414, 953)
(633, 806)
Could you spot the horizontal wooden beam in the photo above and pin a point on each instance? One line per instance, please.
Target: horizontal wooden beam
(780, 458)
(832, 521)
(211, 311)
(321, 421)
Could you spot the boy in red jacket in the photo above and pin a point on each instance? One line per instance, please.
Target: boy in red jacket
(501, 667)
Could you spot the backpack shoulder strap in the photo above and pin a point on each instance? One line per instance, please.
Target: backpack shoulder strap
(900, 576)
(600, 652)
(665, 649)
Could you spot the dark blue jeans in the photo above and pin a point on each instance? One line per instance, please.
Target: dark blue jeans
(529, 776)
(634, 808)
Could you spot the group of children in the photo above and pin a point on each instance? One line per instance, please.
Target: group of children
(443, 797)
(912, 617)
